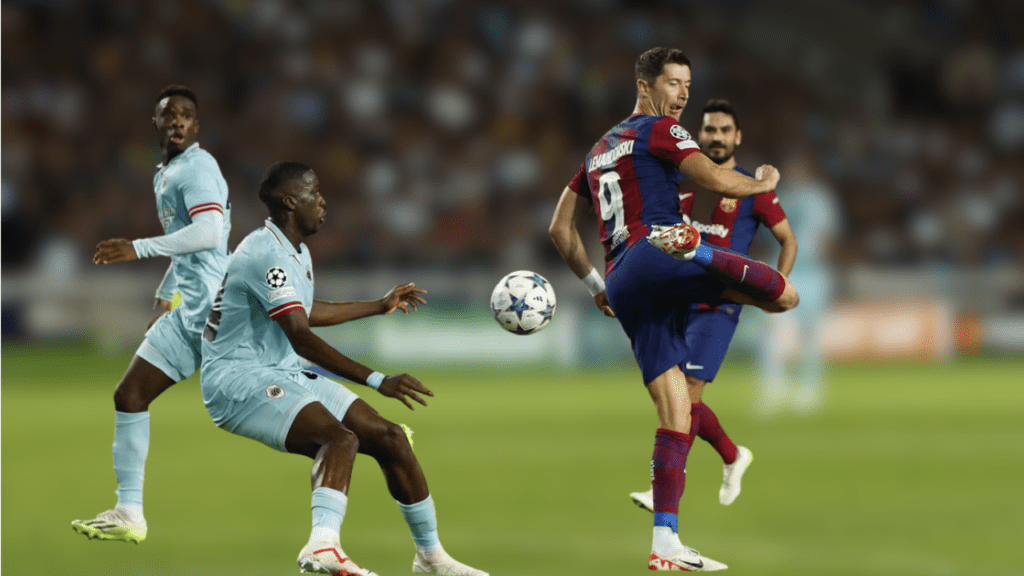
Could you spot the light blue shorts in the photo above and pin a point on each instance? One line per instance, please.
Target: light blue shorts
(172, 347)
(263, 404)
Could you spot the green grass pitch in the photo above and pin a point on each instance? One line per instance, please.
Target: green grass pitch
(912, 468)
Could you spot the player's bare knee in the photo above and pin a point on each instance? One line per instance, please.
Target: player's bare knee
(394, 441)
(344, 440)
(789, 299)
(128, 397)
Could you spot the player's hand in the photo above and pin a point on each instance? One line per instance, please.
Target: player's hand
(165, 305)
(404, 387)
(114, 250)
(403, 297)
(601, 298)
(767, 173)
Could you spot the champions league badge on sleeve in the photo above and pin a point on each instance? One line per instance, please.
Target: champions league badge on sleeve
(276, 277)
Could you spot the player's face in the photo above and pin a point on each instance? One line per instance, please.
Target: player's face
(177, 121)
(310, 207)
(718, 136)
(671, 90)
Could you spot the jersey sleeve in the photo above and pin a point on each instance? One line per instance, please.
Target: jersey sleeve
(200, 188)
(270, 283)
(670, 141)
(580, 183)
(768, 208)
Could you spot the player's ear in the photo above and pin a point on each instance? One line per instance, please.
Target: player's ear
(739, 136)
(289, 201)
(642, 87)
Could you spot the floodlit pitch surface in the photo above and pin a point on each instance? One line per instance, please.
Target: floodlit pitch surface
(911, 468)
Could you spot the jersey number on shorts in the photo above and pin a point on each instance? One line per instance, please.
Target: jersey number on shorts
(213, 320)
(609, 196)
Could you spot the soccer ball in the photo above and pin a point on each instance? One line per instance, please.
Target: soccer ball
(523, 302)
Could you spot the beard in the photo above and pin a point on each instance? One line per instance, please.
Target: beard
(720, 154)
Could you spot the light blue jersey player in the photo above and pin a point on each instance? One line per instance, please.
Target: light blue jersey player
(192, 203)
(254, 386)
(817, 221)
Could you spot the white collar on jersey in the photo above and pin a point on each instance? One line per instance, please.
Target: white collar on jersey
(282, 240)
(183, 152)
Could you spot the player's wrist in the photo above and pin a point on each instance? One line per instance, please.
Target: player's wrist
(375, 379)
(594, 282)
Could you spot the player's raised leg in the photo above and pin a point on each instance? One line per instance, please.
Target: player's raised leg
(388, 444)
(750, 281)
(671, 447)
(318, 434)
(141, 384)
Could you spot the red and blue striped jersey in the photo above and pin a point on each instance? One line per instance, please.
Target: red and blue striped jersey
(735, 220)
(631, 176)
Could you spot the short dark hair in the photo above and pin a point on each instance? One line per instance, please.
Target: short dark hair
(178, 90)
(650, 64)
(277, 176)
(721, 105)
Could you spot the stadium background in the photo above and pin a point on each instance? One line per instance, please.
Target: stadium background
(443, 133)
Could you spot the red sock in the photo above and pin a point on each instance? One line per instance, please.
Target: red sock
(710, 430)
(757, 279)
(670, 451)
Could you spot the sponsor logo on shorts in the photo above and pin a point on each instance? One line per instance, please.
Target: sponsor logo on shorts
(693, 366)
(274, 392)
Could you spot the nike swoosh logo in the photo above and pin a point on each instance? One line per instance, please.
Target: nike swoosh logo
(698, 565)
(693, 366)
(685, 196)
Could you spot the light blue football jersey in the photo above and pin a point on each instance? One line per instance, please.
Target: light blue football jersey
(266, 278)
(187, 185)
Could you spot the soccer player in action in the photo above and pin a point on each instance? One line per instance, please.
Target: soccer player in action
(254, 386)
(709, 326)
(631, 177)
(192, 203)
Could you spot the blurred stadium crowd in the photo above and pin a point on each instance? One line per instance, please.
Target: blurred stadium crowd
(443, 131)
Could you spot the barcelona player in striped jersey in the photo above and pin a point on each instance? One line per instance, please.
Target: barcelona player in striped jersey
(192, 203)
(709, 326)
(657, 267)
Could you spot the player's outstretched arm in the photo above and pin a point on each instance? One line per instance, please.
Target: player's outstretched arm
(313, 348)
(398, 298)
(727, 182)
(567, 240)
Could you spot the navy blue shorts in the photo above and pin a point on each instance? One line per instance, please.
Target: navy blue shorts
(708, 330)
(651, 294)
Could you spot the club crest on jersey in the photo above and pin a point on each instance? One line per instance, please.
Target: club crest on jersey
(276, 277)
(727, 204)
(274, 392)
(677, 131)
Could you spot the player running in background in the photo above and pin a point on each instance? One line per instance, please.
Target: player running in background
(254, 386)
(631, 177)
(709, 326)
(192, 203)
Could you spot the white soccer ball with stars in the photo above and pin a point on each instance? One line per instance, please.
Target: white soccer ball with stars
(523, 302)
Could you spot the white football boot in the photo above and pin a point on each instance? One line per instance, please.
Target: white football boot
(329, 558)
(444, 565)
(679, 241)
(644, 499)
(112, 525)
(686, 560)
(732, 474)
